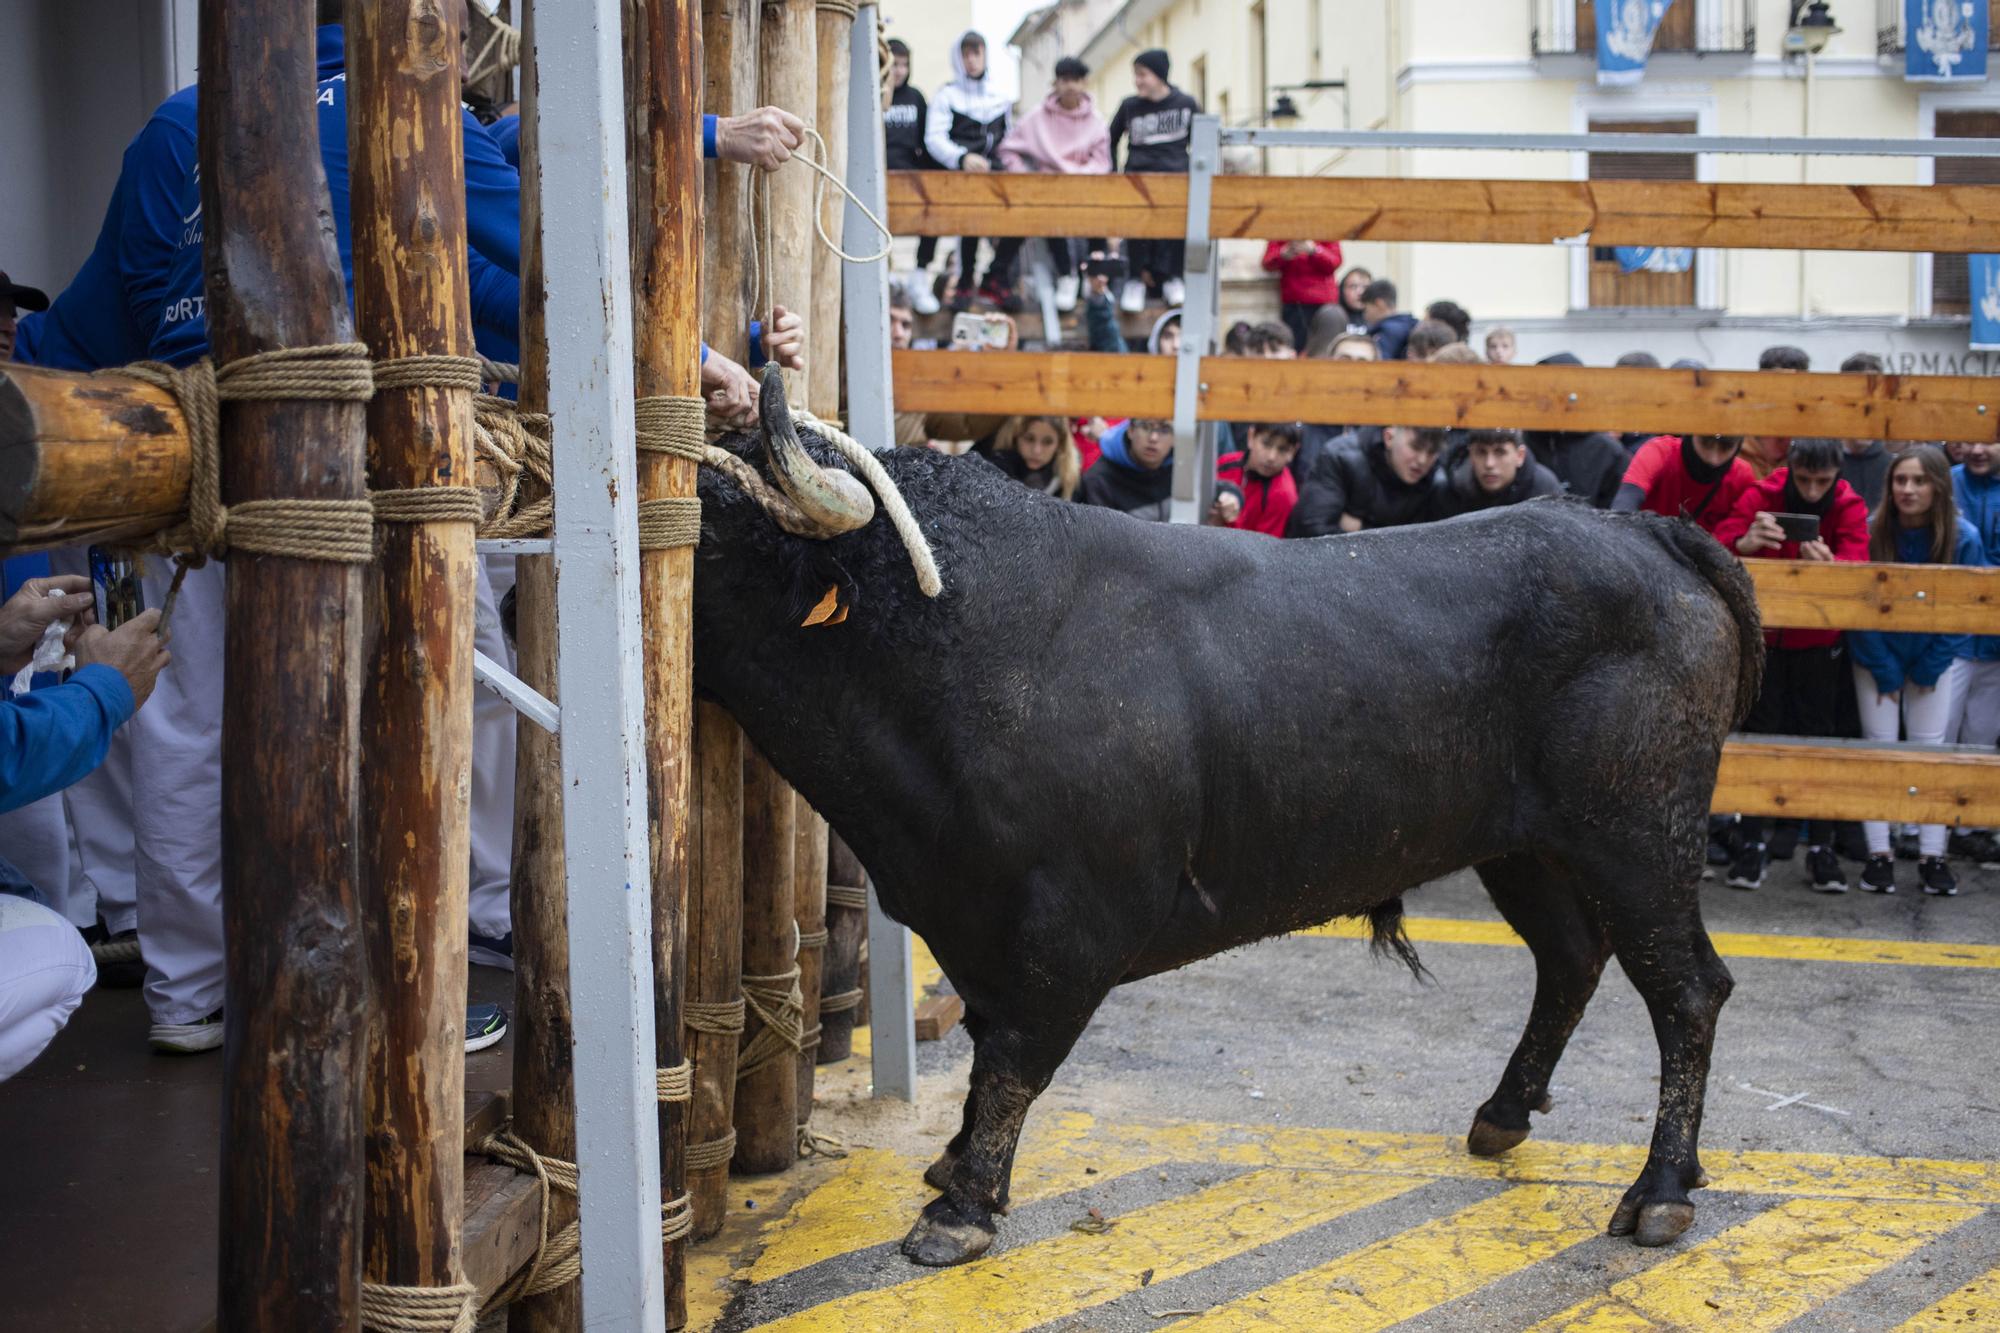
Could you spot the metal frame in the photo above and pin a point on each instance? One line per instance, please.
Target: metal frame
(1194, 441)
(871, 415)
(1259, 136)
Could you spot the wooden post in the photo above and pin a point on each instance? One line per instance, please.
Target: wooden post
(290, 1219)
(809, 912)
(663, 110)
(715, 907)
(544, 1075)
(767, 1099)
(789, 64)
(846, 928)
(411, 299)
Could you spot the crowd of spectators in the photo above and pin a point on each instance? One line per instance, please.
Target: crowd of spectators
(1760, 496)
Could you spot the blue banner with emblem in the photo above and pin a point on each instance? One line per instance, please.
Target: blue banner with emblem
(1983, 284)
(1653, 258)
(1944, 41)
(1625, 32)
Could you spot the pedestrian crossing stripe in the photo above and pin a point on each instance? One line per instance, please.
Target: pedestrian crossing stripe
(1833, 1221)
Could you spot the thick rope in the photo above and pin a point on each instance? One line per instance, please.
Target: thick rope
(721, 1018)
(668, 523)
(812, 1143)
(116, 951)
(677, 1219)
(386, 1309)
(821, 162)
(671, 424)
(708, 1156)
(558, 1259)
(844, 7)
(779, 1005)
(847, 895)
(812, 939)
(870, 467)
(676, 1084)
(431, 372)
(501, 51)
(428, 504)
(499, 372)
(840, 1002)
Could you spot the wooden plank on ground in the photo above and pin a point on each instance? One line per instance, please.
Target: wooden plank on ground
(1567, 398)
(1934, 599)
(1829, 779)
(485, 1112)
(1754, 216)
(503, 1217)
(938, 1015)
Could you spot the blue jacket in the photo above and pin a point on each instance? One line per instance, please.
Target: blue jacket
(1979, 504)
(1919, 659)
(52, 738)
(107, 314)
(492, 213)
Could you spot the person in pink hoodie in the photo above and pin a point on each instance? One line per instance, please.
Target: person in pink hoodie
(1064, 134)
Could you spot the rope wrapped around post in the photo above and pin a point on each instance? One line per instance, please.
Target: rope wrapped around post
(453, 1309)
(675, 426)
(776, 1001)
(447, 503)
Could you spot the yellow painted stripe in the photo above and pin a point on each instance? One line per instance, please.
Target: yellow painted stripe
(1402, 1277)
(1073, 1272)
(877, 1195)
(1767, 1272)
(1730, 944)
(1974, 1305)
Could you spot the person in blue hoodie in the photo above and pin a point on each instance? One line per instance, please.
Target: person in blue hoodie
(1135, 472)
(1975, 485)
(1913, 681)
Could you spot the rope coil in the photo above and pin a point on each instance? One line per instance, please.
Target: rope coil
(677, 1219)
(710, 1155)
(676, 1084)
(668, 523)
(840, 1002)
(720, 1017)
(431, 372)
(813, 939)
(851, 896)
(670, 424)
(781, 1008)
(387, 1309)
(428, 504)
(558, 1259)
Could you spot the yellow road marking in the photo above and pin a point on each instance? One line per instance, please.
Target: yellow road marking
(1766, 1272)
(1074, 1271)
(1730, 944)
(1974, 1305)
(1400, 1278)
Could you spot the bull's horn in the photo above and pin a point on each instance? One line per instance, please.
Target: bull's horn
(833, 499)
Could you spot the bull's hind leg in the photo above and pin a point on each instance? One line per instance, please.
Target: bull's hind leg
(1543, 907)
(938, 1174)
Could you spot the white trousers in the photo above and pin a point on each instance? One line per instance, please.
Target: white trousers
(493, 729)
(1926, 716)
(35, 838)
(100, 823)
(1977, 718)
(45, 967)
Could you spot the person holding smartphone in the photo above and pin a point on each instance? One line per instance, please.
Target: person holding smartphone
(1802, 511)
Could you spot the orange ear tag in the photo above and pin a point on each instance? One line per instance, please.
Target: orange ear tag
(823, 612)
(838, 616)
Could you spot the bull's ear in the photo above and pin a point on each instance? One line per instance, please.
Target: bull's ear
(823, 610)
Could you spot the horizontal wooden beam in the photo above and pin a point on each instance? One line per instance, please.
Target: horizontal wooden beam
(87, 458)
(1932, 599)
(1561, 398)
(1822, 779)
(1953, 218)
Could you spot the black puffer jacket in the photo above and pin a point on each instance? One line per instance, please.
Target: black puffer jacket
(1590, 466)
(1353, 476)
(1461, 493)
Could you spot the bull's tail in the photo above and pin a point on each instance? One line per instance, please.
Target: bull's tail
(1724, 573)
(1389, 938)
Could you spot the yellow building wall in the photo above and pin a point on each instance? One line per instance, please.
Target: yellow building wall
(931, 27)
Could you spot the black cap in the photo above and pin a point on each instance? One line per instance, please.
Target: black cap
(1155, 60)
(22, 298)
(1560, 359)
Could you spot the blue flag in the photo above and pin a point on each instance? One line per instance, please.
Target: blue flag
(1625, 30)
(1944, 41)
(1983, 281)
(1653, 258)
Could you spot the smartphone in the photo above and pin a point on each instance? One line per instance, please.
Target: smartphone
(976, 333)
(114, 581)
(1107, 266)
(1799, 527)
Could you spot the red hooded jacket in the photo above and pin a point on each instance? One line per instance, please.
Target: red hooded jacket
(1267, 501)
(1308, 279)
(1844, 530)
(1657, 470)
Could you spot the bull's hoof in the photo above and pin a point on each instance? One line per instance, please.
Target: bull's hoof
(1548, 1104)
(938, 1174)
(1650, 1224)
(944, 1236)
(1490, 1140)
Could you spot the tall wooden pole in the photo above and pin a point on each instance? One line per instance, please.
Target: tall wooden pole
(294, 996)
(544, 1074)
(809, 912)
(663, 110)
(715, 908)
(846, 928)
(407, 173)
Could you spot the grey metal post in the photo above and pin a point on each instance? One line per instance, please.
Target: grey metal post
(1194, 443)
(871, 418)
(579, 49)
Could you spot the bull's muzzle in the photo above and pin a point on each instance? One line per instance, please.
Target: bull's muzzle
(833, 500)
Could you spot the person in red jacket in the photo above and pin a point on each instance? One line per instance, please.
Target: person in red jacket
(1804, 669)
(1257, 483)
(1699, 478)
(1306, 281)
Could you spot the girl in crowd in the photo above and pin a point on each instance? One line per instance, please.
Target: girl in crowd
(1038, 452)
(1913, 678)
(1352, 283)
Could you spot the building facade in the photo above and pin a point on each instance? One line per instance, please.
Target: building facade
(1529, 66)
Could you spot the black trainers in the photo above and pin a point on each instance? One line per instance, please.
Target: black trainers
(1783, 842)
(1823, 868)
(1974, 845)
(1747, 870)
(1879, 875)
(1722, 841)
(1937, 878)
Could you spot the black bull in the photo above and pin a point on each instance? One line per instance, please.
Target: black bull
(1111, 748)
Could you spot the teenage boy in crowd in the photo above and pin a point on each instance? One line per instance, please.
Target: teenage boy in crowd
(1134, 473)
(1427, 338)
(1590, 464)
(1386, 325)
(966, 123)
(1697, 477)
(1864, 464)
(1157, 120)
(1307, 281)
(1063, 135)
(1381, 477)
(1259, 481)
(1805, 670)
(1495, 469)
(904, 121)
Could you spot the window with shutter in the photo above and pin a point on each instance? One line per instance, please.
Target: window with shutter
(1610, 286)
(1949, 286)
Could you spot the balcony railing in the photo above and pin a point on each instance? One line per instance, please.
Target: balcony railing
(1892, 36)
(1690, 27)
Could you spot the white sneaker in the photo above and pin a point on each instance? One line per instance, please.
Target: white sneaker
(1174, 291)
(187, 1038)
(1134, 298)
(1066, 289)
(922, 299)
